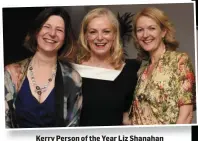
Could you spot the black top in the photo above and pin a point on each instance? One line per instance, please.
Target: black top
(105, 101)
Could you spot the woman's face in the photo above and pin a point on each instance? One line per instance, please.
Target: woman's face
(52, 34)
(100, 36)
(149, 34)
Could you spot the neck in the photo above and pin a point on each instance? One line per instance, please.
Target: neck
(99, 61)
(41, 60)
(156, 54)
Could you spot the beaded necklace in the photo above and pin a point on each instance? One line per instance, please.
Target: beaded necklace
(39, 90)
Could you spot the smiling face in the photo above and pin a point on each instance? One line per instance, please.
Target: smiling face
(149, 34)
(100, 36)
(51, 36)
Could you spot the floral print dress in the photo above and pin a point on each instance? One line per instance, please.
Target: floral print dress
(159, 96)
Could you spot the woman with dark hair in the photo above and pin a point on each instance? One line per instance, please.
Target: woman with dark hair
(48, 93)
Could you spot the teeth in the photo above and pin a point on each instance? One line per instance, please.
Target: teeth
(100, 44)
(49, 41)
(148, 41)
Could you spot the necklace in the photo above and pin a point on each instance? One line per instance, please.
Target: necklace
(39, 90)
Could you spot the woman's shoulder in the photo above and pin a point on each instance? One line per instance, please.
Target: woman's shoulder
(18, 66)
(19, 62)
(177, 56)
(76, 77)
(68, 69)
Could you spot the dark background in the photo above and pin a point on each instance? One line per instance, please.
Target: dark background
(16, 22)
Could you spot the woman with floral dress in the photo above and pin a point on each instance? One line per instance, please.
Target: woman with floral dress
(165, 91)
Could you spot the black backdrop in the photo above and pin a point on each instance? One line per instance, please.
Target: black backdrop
(16, 22)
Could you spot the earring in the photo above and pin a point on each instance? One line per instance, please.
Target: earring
(163, 39)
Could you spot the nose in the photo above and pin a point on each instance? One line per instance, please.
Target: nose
(52, 32)
(145, 34)
(100, 36)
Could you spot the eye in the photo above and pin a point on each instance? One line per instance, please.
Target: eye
(107, 31)
(46, 26)
(92, 32)
(60, 30)
(139, 30)
(151, 28)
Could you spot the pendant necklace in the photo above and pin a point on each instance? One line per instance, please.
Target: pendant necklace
(38, 89)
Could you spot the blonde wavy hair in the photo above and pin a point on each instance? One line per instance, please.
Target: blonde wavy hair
(163, 21)
(117, 58)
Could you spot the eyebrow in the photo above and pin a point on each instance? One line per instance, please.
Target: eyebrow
(148, 26)
(60, 27)
(56, 26)
(96, 29)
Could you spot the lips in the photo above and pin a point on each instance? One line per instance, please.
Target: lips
(147, 41)
(100, 44)
(49, 40)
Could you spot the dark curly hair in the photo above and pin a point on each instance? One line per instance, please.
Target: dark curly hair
(69, 42)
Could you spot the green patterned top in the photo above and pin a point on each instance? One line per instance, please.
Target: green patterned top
(157, 99)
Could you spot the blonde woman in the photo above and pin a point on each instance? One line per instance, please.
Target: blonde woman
(165, 91)
(108, 79)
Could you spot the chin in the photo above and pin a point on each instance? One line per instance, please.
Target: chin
(48, 50)
(101, 53)
(148, 49)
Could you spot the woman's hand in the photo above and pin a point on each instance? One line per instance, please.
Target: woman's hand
(185, 114)
(126, 120)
